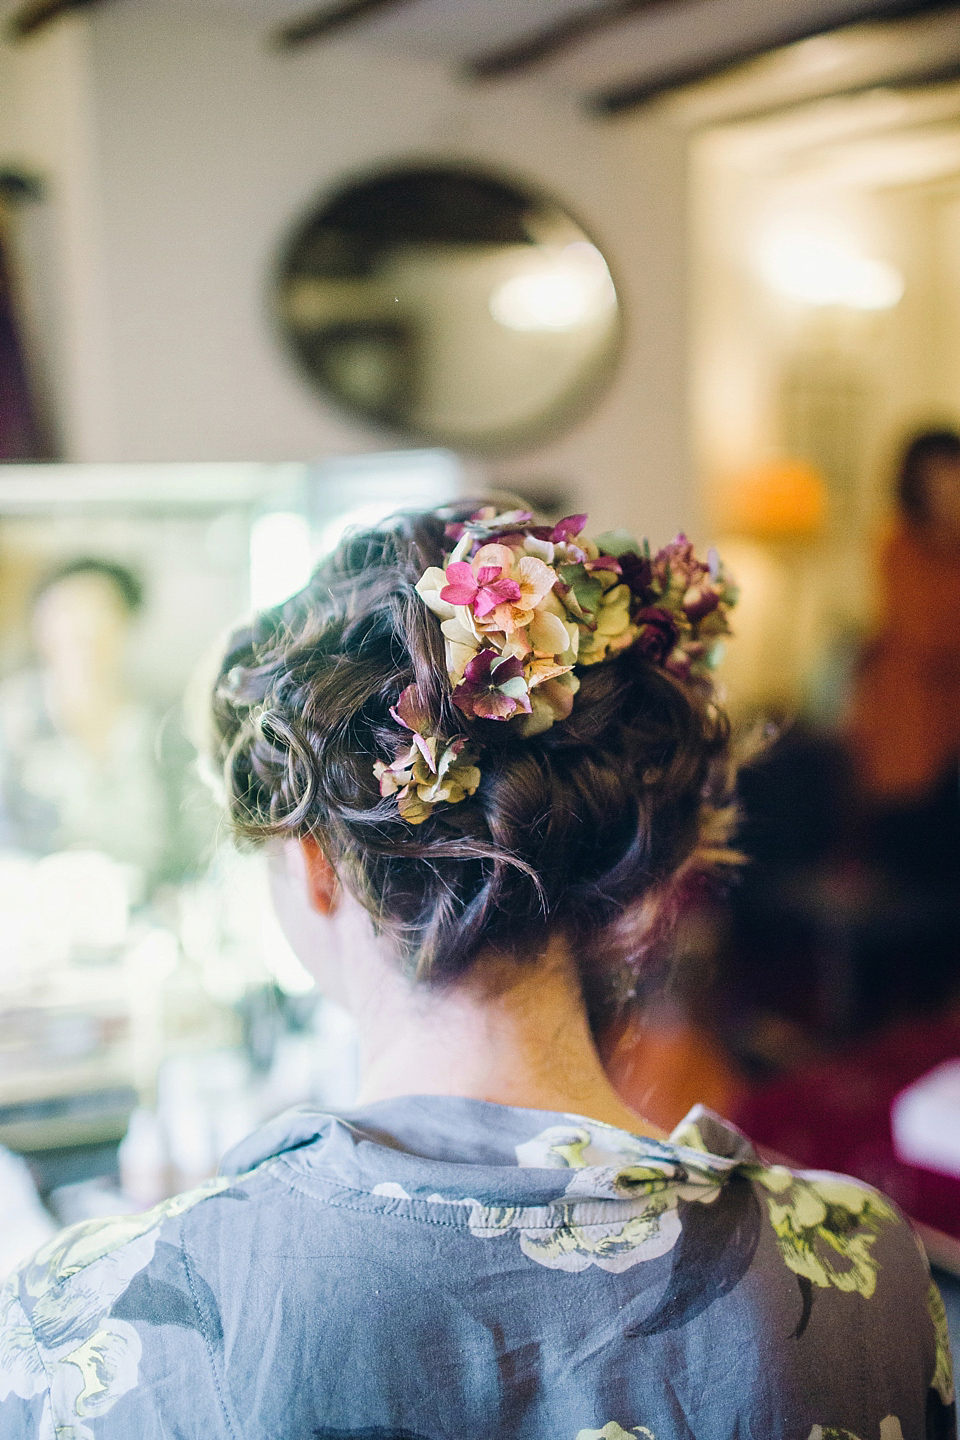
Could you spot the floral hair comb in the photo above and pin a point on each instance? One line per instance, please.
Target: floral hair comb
(520, 606)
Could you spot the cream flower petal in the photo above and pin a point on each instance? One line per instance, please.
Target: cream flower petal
(540, 671)
(461, 646)
(509, 618)
(458, 658)
(551, 701)
(461, 548)
(428, 587)
(517, 644)
(548, 634)
(544, 550)
(412, 808)
(499, 555)
(535, 579)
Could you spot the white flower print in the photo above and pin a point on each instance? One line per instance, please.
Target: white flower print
(612, 1215)
(579, 1144)
(826, 1226)
(70, 1345)
(890, 1429)
(613, 1431)
(21, 1369)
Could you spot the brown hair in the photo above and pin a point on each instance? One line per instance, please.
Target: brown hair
(911, 485)
(570, 830)
(129, 587)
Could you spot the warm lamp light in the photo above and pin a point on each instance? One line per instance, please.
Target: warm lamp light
(780, 500)
(817, 270)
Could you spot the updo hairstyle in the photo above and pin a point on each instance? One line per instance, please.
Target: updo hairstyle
(569, 831)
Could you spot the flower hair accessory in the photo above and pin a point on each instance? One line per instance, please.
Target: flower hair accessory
(431, 770)
(521, 606)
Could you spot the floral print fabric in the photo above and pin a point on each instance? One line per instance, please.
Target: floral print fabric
(442, 1269)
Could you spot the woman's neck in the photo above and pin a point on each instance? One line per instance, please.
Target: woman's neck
(513, 1034)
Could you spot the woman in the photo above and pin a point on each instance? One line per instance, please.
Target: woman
(479, 755)
(77, 762)
(906, 722)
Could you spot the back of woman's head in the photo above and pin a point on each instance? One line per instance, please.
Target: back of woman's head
(920, 451)
(568, 830)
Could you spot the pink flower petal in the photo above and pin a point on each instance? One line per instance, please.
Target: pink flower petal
(501, 592)
(458, 594)
(568, 527)
(461, 587)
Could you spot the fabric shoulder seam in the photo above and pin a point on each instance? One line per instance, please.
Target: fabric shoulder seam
(206, 1340)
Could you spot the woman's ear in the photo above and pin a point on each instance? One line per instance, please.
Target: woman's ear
(323, 887)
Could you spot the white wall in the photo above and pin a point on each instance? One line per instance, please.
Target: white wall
(48, 120)
(179, 149)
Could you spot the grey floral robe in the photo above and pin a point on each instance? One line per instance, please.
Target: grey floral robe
(443, 1269)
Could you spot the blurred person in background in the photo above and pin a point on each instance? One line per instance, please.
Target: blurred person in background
(77, 748)
(905, 722)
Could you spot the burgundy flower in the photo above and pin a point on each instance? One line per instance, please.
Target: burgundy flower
(679, 664)
(603, 562)
(493, 687)
(701, 599)
(637, 572)
(658, 633)
(677, 567)
(412, 714)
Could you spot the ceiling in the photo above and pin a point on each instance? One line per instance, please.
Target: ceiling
(617, 56)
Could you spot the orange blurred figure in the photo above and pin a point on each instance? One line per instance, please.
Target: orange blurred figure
(905, 722)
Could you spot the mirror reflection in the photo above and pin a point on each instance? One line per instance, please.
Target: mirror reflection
(147, 996)
(450, 304)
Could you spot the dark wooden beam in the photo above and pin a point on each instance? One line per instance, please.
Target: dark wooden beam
(637, 93)
(320, 24)
(540, 45)
(34, 15)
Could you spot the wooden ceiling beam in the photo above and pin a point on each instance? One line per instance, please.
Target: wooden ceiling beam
(36, 15)
(321, 24)
(633, 95)
(541, 45)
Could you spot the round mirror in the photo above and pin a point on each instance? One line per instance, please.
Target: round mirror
(450, 305)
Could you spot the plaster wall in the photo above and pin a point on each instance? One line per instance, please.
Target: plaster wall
(179, 148)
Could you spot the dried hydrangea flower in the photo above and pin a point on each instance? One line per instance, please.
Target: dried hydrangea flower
(520, 605)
